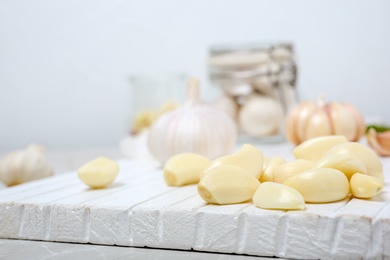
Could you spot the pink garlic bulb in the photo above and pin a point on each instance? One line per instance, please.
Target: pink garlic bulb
(312, 119)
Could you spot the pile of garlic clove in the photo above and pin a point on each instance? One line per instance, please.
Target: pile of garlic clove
(326, 169)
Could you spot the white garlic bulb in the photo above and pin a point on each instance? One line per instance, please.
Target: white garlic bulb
(260, 116)
(227, 105)
(24, 166)
(194, 127)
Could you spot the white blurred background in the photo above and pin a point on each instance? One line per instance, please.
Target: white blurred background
(65, 65)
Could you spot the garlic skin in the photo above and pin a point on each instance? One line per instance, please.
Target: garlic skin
(192, 128)
(260, 116)
(379, 142)
(24, 166)
(314, 119)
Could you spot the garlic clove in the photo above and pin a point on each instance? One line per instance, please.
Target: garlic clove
(320, 185)
(271, 195)
(380, 142)
(98, 173)
(295, 119)
(345, 163)
(184, 168)
(247, 157)
(304, 115)
(268, 173)
(227, 184)
(266, 161)
(362, 153)
(318, 124)
(342, 121)
(365, 186)
(359, 121)
(286, 170)
(313, 149)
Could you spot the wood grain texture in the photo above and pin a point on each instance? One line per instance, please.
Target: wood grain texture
(139, 209)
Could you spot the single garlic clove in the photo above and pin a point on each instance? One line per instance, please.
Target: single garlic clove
(379, 142)
(359, 121)
(286, 170)
(304, 113)
(268, 172)
(365, 186)
(318, 124)
(184, 168)
(320, 185)
(343, 162)
(342, 121)
(98, 173)
(362, 153)
(247, 157)
(266, 161)
(271, 195)
(227, 184)
(313, 149)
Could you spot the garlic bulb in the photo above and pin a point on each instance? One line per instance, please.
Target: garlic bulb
(312, 119)
(194, 128)
(227, 105)
(260, 116)
(24, 166)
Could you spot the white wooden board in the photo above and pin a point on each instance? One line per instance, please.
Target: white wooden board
(139, 209)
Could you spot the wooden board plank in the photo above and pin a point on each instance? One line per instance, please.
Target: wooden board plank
(139, 209)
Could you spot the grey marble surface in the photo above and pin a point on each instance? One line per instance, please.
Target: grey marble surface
(39, 250)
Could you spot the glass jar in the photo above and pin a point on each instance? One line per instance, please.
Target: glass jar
(153, 95)
(261, 81)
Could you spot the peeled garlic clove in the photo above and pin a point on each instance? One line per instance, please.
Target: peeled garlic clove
(98, 173)
(268, 172)
(227, 184)
(379, 142)
(260, 116)
(286, 170)
(313, 149)
(320, 185)
(184, 168)
(271, 195)
(345, 163)
(266, 161)
(365, 186)
(247, 157)
(362, 153)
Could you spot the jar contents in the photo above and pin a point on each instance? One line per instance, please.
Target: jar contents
(258, 85)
